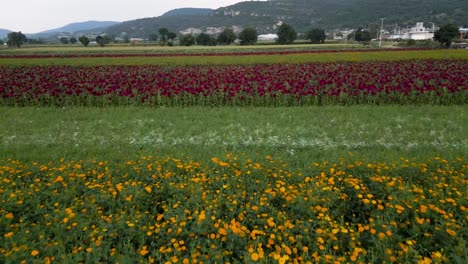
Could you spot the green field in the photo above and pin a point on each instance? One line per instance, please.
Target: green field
(251, 59)
(143, 49)
(299, 133)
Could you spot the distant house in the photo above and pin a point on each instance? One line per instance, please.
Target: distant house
(463, 33)
(418, 32)
(134, 40)
(267, 37)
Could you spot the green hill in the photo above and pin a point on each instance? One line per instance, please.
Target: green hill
(304, 14)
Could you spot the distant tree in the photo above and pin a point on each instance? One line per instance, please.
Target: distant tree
(126, 39)
(16, 39)
(212, 41)
(446, 34)
(103, 40)
(153, 37)
(226, 37)
(100, 41)
(1, 42)
(73, 40)
(163, 32)
(286, 34)
(187, 40)
(203, 39)
(362, 36)
(316, 35)
(248, 36)
(84, 40)
(171, 36)
(63, 40)
(36, 41)
(374, 30)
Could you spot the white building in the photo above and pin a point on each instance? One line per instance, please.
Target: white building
(267, 37)
(419, 32)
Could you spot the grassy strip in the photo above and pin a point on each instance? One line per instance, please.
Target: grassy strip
(233, 209)
(254, 59)
(295, 134)
(123, 49)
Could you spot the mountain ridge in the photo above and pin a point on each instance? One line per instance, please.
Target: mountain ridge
(305, 14)
(4, 33)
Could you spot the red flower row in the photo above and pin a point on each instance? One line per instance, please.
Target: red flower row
(299, 80)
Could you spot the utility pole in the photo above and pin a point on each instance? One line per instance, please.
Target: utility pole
(381, 29)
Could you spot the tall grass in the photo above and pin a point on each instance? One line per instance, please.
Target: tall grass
(298, 134)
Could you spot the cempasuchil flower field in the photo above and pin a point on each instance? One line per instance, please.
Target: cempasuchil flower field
(233, 209)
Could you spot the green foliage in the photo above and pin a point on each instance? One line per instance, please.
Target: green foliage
(64, 40)
(103, 40)
(73, 40)
(84, 40)
(203, 39)
(163, 32)
(171, 36)
(254, 59)
(16, 39)
(187, 40)
(36, 41)
(362, 36)
(286, 34)
(1, 42)
(303, 14)
(316, 35)
(226, 37)
(446, 34)
(410, 42)
(248, 36)
(153, 37)
(114, 133)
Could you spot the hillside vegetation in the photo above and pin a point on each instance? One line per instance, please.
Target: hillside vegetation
(303, 15)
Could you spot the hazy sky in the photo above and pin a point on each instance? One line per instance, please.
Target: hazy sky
(32, 16)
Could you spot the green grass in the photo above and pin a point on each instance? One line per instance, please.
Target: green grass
(297, 134)
(137, 49)
(155, 48)
(251, 59)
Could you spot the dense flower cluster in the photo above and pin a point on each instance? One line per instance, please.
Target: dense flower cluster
(436, 82)
(233, 209)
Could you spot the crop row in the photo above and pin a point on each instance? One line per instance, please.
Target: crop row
(193, 54)
(406, 82)
(233, 209)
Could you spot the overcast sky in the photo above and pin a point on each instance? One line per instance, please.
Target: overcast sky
(32, 16)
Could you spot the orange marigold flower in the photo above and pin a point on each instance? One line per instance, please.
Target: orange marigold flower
(34, 253)
(451, 232)
(254, 256)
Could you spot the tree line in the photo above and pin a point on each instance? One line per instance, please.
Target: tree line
(286, 34)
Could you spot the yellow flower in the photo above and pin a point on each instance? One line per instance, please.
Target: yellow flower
(451, 232)
(9, 216)
(34, 253)
(8, 235)
(381, 236)
(144, 251)
(254, 256)
(148, 189)
(201, 216)
(283, 259)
